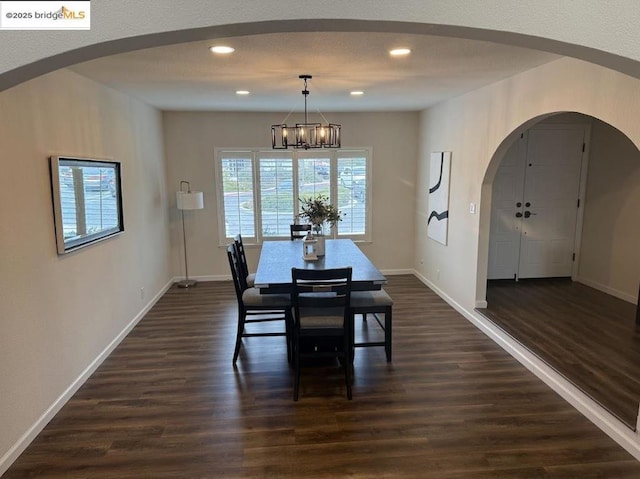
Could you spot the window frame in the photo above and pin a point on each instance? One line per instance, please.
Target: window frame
(256, 154)
(68, 245)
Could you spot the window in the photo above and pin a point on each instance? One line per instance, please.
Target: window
(87, 202)
(259, 190)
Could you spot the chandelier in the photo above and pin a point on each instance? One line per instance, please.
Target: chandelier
(305, 135)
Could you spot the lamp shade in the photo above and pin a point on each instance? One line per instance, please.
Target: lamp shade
(190, 201)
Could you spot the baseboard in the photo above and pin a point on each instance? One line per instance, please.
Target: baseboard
(18, 448)
(606, 289)
(599, 416)
(396, 272)
(220, 277)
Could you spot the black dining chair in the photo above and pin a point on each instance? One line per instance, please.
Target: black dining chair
(254, 307)
(299, 231)
(321, 299)
(374, 303)
(250, 278)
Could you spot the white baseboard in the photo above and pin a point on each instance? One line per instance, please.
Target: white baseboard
(21, 444)
(396, 272)
(599, 416)
(606, 289)
(220, 277)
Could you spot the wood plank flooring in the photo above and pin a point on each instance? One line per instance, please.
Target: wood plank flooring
(587, 336)
(169, 404)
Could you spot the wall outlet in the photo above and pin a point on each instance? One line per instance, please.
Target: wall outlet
(472, 208)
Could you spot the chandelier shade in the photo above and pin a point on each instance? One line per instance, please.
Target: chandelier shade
(305, 135)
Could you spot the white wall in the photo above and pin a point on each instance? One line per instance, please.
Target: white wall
(610, 257)
(190, 140)
(476, 127)
(59, 313)
(473, 127)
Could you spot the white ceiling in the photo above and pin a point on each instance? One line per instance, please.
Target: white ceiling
(188, 76)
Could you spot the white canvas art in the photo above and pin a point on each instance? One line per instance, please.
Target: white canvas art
(439, 171)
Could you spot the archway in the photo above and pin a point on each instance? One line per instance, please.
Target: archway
(584, 326)
(28, 54)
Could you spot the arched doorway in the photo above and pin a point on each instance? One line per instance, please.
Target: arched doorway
(584, 326)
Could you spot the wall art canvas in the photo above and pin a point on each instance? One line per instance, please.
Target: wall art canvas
(439, 172)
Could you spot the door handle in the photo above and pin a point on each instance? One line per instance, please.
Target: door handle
(528, 213)
(518, 215)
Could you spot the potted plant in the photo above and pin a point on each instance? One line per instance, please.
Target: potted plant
(319, 211)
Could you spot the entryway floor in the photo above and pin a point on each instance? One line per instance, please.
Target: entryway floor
(586, 335)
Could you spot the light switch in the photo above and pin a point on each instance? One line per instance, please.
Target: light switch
(472, 208)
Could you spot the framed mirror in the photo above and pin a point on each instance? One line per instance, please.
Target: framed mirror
(87, 201)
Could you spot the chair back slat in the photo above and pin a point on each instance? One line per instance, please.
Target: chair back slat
(242, 257)
(330, 288)
(239, 281)
(299, 231)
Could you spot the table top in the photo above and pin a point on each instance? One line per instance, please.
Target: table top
(278, 257)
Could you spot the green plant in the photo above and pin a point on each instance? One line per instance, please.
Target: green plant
(318, 211)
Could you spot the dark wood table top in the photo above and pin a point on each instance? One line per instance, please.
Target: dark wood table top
(278, 257)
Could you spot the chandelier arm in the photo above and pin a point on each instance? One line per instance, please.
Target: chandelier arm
(288, 115)
(321, 115)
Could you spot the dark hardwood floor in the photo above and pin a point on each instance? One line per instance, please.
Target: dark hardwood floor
(587, 336)
(169, 404)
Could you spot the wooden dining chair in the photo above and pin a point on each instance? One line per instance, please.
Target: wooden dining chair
(374, 303)
(321, 299)
(299, 231)
(250, 278)
(254, 307)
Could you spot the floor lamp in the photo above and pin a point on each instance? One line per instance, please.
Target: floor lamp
(187, 200)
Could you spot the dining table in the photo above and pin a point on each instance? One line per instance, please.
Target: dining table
(277, 258)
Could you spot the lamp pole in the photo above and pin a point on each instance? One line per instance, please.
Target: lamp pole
(187, 200)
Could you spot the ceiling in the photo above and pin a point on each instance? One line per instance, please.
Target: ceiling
(188, 76)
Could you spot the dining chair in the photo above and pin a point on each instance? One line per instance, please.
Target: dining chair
(299, 231)
(321, 299)
(250, 278)
(254, 307)
(374, 303)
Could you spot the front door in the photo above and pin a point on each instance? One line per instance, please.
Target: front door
(506, 213)
(535, 204)
(551, 192)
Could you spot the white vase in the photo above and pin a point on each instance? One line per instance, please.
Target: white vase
(318, 234)
(320, 245)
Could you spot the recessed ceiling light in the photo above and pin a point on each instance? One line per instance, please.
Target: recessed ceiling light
(357, 93)
(399, 52)
(242, 92)
(222, 49)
